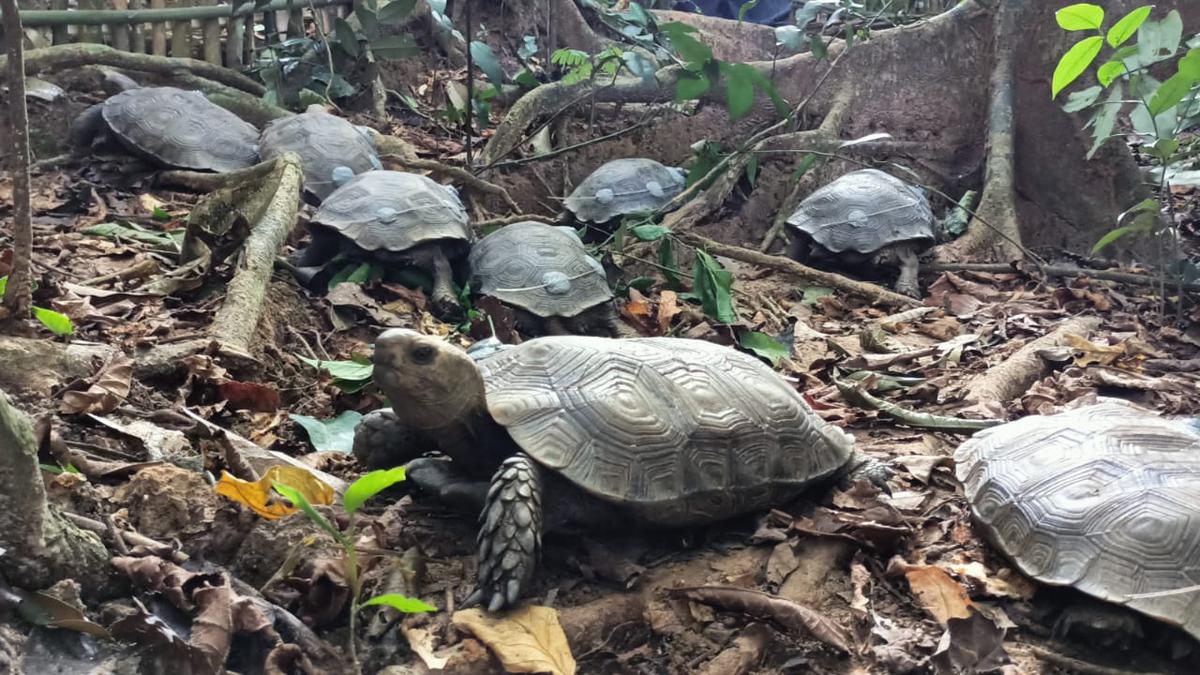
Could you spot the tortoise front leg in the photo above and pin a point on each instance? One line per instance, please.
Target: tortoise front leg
(445, 303)
(382, 441)
(510, 534)
(909, 266)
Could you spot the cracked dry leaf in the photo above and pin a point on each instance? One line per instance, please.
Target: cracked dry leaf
(109, 388)
(1104, 355)
(668, 307)
(940, 594)
(526, 640)
(257, 495)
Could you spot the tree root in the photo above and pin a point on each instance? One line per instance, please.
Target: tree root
(1128, 278)
(470, 180)
(857, 395)
(1007, 379)
(40, 546)
(870, 292)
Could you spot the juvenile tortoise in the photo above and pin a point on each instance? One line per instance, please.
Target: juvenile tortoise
(622, 187)
(324, 142)
(579, 431)
(1104, 498)
(170, 127)
(865, 216)
(396, 219)
(546, 275)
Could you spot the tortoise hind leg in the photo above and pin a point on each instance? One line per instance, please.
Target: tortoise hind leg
(510, 534)
(906, 283)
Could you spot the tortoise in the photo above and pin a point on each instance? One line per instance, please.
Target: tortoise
(591, 432)
(865, 216)
(546, 275)
(324, 143)
(622, 187)
(1104, 498)
(394, 218)
(170, 127)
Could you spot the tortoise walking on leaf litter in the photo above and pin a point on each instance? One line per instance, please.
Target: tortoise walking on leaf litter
(623, 187)
(546, 275)
(396, 219)
(324, 143)
(170, 127)
(590, 432)
(1104, 498)
(865, 216)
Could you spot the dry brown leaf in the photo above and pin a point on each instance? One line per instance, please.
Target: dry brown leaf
(668, 307)
(791, 615)
(638, 305)
(526, 640)
(944, 597)
(995, 585)
(109, 388)
(1104, 355)
(420, 640)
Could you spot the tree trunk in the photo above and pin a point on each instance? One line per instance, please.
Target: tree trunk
(18, 296)
(965, 97)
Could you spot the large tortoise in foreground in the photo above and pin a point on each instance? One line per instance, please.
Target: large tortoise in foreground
(1104, 498)
(593, 432)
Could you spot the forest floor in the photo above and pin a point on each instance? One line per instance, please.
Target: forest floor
(885, 574)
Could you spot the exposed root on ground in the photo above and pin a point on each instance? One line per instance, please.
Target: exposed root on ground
(1013, 375)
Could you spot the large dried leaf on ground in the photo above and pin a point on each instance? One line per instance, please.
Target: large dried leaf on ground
(938, 593)
(249, 396)
(526, 640)
(974, 644)
(257, 495)
(668, 307)
(109, 388)
(791, 615)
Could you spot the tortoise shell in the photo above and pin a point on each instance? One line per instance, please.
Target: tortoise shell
(324, 142)
(681, 431)
(864, 211)
(624, 186)
(394, 211)
(181, 129)
(540, 268)
(1104, 498)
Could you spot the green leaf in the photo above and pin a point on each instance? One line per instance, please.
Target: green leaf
(394, 47)
(739, 92)
(752, 170)
(1078, 100)
(670, 266)
(1080, 17)
(343, 370)
(1128, 26)
(293, 495)
(1111, 237)
(1157, 39)
(691, 86)
(347, 39)
(813, 293)
(1108, 72)
(713, 284)
(1105, 120)
(569, 57)
(485, 58)
(370, 485)
(399, 602)
(369, 19)
(395, 12)
(1189, 65)
(790, 37)
(638, 65)
(333, 435)
(134, 232)
(160, 214)
(649, 232)
(360, 274)
(1169, 94)
(1164, 148)
(691, 50)
(806, 164)
(818, 47)
(764, 346)
(746, 8)
(526, 79)
(762, 84)
(643, 284)
(3, 285)
(1074, 62)
(528, 48)
(58, 324)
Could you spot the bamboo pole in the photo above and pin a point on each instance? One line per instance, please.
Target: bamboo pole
(60, 35)
(235, 29)
(181, 34)
(137, 39)
(158, 32)
(158, 12)
(90, 33)
(120, 32)
(248, 44)
(212, 41)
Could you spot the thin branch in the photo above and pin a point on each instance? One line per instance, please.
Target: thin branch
(509, 163)
(457, 173)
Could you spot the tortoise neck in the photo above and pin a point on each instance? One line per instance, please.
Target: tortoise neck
(477, 443)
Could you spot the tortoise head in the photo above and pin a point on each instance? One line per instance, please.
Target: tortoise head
(430, 383)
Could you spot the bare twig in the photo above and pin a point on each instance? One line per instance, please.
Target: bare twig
(857, 395)
(510, 163)
(456, 173)
(1129, 278)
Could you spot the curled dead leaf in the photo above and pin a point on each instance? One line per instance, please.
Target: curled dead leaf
(529, 639)
(668, 308)
(108, 389)
(939, 594)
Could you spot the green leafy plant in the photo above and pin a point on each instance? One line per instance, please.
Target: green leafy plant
(59, 324)
(1158, 112)
(349, 376)
(354, 497)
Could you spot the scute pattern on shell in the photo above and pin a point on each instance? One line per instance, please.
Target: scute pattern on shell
(1105, 498)
(182, 129)
(681, 431)
(864, 211)
(514, 264)
(324, 142)
(624, 186)
(424, 211)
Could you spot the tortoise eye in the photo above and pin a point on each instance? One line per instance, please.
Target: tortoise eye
(422, 354)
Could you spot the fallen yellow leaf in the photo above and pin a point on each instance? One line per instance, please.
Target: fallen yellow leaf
(257, 495)
(526, 640)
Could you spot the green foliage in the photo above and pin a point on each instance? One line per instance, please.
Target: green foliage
(293, 495)
(370, 485)
(485, 58)
(349, 376)
(401, 603)
(333, 435)
(764, 346)
(59, 324)
(122, 230)
(713, 285)
(1158, 112)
